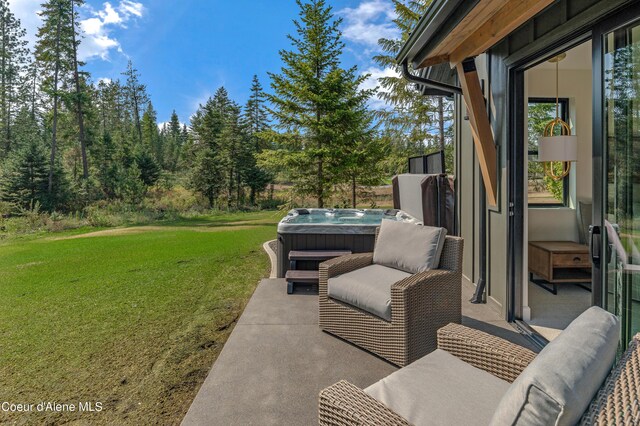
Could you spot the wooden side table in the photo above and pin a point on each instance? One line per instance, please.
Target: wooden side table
(559, 262)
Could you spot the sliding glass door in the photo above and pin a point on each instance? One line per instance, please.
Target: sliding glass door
(615, 239)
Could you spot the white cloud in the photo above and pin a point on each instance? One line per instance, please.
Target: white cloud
(98, 39)
(27, 12)
(370, 21)
(376, 73)
(163, 123)
(96, 25)
(108, 15)
(131, 8)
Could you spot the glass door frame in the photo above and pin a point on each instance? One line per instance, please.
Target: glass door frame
(630, 15)
(516, 170)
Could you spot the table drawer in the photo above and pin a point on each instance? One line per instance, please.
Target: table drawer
(568, 260)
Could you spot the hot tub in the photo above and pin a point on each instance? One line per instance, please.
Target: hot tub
(331, 229)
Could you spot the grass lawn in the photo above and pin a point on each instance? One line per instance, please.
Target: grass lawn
(130, 318)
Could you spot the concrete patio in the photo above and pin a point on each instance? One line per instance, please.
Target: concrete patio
(277, 360)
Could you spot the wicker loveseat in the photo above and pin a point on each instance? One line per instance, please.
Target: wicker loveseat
(570, 382)
(420, 304)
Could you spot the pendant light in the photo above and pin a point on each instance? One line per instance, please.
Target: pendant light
(557, 148)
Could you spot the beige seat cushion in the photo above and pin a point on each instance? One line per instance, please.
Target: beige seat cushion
(409, 247)
(368, 288)
(558, 385)
(440, 389)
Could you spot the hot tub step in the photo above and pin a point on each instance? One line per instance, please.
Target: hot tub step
(317, 255)
(302, 277)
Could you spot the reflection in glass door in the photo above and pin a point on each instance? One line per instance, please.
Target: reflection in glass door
(620, 178)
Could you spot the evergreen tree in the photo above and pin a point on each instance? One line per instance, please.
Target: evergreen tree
(232, 153)
(25, 177)
(174, 141)
(30, 96)
(79, 96)
(358, 165)
(25, 174)
(207, 177)
(110, 173)
(256, 116)
(136, 96)
(13, 66)
(54, 52)
(150, 134)
(149, 169)
(26, 129)
(414, 123)
(313, 103)
(209, 173)
(256, 123)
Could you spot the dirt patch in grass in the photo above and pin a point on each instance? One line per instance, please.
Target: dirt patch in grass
(141, 229)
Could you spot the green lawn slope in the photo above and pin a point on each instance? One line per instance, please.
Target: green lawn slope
(132, 318)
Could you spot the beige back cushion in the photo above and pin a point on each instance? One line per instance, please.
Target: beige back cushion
(558, 385)
(409, 247)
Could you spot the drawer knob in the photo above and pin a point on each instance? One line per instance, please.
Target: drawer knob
(577, 259)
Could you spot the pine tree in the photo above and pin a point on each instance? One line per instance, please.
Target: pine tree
(313, 102)
(256, 116)
(25, 174)
(412, 119)
(362, 151)
(232, 154)
(80, 97)
(149, 168)
(13, 66)
(25, 177)
(54, 52)
(150, 134)
(256, 123)
(136, 96)
(207, 177)
(209, 172)
(174, 140)
(30, 96)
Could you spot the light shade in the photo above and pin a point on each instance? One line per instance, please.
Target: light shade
(558, 148)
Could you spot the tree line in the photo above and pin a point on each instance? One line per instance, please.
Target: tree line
(67, 141)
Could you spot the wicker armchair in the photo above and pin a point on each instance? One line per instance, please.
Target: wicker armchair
(616, 403)
(420, 305)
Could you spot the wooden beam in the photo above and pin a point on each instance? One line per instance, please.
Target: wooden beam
(506, 19)
(480, 128)
(434, 60)
(489, 22)
(481, 13)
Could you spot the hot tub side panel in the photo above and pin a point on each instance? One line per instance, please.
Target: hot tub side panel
(357, 243)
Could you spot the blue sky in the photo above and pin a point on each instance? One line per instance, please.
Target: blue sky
(186, 49)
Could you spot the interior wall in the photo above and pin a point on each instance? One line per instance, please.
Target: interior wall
(560, 223)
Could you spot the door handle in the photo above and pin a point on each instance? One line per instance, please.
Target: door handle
(594, 244)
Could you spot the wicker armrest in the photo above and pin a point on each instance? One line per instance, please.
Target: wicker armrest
(343, 264)
(493, 354)
(346, 404)
(432, 276)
